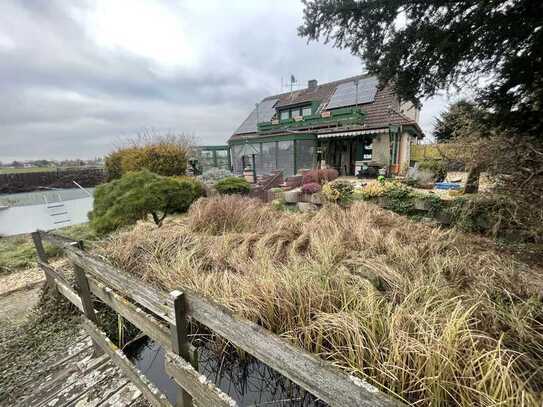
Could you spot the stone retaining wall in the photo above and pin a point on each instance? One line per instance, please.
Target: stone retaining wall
(31, 181)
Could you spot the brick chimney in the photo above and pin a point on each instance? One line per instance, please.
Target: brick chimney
(312, 84)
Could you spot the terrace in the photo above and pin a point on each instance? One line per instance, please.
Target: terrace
(336, 117)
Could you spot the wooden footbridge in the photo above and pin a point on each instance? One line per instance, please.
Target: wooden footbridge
(96, 373)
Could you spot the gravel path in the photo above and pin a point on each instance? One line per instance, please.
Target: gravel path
(19, 280)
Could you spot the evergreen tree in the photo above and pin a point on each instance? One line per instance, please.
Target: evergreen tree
(423, 46)
(452, 122)
(137, 195)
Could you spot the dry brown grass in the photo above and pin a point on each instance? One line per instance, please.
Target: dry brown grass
(433, 316)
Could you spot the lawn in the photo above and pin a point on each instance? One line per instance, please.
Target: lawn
(27, 170)
(18, 252)
(435, 317)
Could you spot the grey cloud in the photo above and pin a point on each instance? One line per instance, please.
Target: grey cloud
(63, 95)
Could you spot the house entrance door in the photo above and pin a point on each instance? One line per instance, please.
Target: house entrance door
(340, 154)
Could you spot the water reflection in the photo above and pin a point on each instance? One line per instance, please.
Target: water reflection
(246, 380)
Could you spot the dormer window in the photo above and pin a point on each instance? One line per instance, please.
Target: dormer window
(295, 112)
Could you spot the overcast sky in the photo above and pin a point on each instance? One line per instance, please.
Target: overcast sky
(76, 77)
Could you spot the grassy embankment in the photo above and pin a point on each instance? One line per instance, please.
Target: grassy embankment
(27, 170)
(435, 316)
(18, 252)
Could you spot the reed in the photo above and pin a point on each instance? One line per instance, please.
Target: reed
(435, 317)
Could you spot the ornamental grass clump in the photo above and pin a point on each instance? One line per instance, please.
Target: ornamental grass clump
(433, 317)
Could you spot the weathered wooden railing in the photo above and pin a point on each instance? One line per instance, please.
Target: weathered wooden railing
(164, 317)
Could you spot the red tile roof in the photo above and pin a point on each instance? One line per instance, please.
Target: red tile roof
(381, 113)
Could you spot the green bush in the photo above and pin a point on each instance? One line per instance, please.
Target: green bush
(494, 215)
(437, 167)
(339, 192)
(135, 196)
(197, 186)
(167, 158)
(233, 185)
(399, 199)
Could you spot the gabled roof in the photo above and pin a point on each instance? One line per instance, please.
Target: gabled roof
(381, 112)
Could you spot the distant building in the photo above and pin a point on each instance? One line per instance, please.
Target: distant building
(346, 124)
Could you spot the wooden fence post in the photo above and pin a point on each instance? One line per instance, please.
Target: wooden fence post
(180, 342)
(85, 294)
(42, 256)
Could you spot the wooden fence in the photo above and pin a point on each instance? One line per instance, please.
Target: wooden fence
(164, 317)
(421, 152)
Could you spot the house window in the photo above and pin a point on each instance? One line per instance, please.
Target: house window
(285, 157)
(306, 111)
(222, 159)
(235, 156)
(269, 157)
(367, 151)
(284, 115)
(305, 150)
(295, 112)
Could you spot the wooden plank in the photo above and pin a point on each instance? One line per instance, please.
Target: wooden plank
(86, 298)
(303, 368)
(204, 392)
(149, 325)
(126, 396)
(62, 286)
(85, 294)
(180, 342)
(151, 393)
(80, 385)
(36, 238)
(56, 240)
(42, 257)
(154, 300)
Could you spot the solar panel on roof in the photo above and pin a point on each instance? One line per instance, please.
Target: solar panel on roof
(346, 95)
(266, 110)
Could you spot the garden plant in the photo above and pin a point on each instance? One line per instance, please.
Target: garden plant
(432, 316)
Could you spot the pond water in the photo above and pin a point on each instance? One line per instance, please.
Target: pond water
(45, 210)
(248, 381)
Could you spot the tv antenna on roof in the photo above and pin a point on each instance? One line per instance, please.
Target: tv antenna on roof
(290, 85)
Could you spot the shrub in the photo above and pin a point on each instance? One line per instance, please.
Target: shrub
(398, 198)
(233, 185)
(135, 196)
(113, 165)
(371, 191)
(165, 156)
(311, 188)
(437, 167)
(278, 204)
(198, 188)
(492, 215)
(340, 192)
(320, 176)
(329, 174)
(214, 174)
